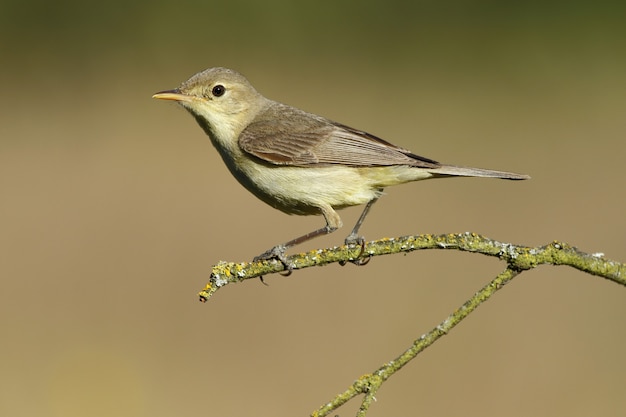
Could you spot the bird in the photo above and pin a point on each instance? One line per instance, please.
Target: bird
(298, 162)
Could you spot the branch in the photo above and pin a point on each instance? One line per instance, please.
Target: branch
(370, 383)
(518, 258)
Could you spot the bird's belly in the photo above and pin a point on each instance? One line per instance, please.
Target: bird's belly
(303, 190)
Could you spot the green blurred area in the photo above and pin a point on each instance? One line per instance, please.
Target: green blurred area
(461, 36)
(114, 206)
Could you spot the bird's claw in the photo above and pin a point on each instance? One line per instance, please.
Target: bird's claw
(278, 253)
(354, 240)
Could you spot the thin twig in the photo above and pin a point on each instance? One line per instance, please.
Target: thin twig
(370, 383)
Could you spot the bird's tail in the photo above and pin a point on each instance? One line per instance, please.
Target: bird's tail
(457, 171)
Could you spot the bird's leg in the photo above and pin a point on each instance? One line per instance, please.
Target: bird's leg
(354, 238)
(278, 251)
(333, 222)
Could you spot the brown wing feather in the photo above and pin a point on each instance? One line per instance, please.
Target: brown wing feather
(284, 135)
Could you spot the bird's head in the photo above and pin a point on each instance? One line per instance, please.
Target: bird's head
(222, 101)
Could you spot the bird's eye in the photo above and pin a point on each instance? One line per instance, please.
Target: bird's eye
(218, 90)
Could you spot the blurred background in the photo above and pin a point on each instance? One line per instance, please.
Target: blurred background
(115, 206)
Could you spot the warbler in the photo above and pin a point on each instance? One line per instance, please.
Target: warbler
(298, 162)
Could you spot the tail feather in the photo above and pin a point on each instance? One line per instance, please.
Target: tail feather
(457, 171)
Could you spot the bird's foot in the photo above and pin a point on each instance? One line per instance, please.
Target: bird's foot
(354, 240)
(278, 253)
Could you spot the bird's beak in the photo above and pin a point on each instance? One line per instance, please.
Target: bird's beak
(175, 95)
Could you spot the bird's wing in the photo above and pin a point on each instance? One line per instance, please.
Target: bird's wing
(298, 138)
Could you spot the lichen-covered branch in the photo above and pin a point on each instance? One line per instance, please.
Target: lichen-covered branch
(370, 383)
(517, 257)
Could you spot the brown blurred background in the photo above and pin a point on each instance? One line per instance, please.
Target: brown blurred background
(114, 207)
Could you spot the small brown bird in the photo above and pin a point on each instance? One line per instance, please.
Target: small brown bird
(298, 162)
